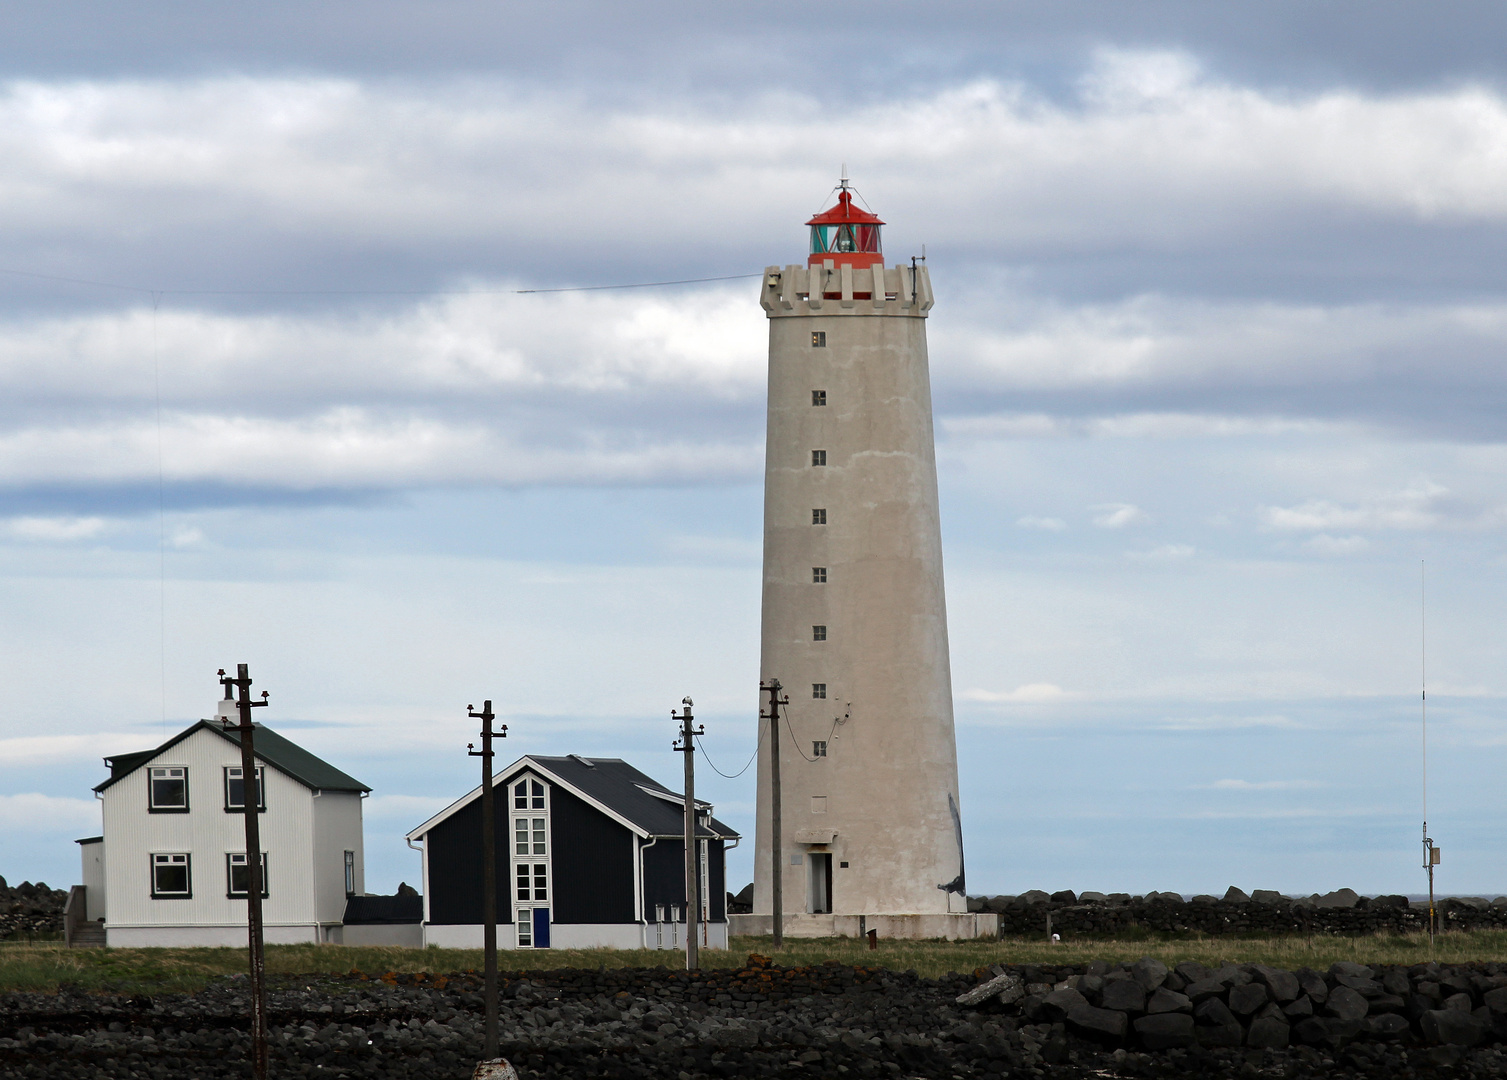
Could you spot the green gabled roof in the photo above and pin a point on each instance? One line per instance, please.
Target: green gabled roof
(272, 749)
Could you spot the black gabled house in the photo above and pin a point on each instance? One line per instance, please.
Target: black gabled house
(590, 853)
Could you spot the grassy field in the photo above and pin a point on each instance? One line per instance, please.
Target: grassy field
(42, 966)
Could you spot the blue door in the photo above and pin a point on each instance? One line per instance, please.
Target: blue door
(541, 928)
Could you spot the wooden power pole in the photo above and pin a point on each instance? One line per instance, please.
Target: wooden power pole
(251, 801)
(687, 746)
(776, 840)
(488, 871)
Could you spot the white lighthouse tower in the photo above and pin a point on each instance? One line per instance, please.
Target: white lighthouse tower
(855, 616)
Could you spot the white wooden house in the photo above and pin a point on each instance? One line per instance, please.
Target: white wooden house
(170, 868)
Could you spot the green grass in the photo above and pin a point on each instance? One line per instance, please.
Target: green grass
(42, 966)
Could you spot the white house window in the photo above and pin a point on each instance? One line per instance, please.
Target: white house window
(168, 792)
(818, 398)
(171, 878)
(525, 928)
(350, 873)
(819, 748)
(528, 795)
(818, 689)
(818, 457)
(238, 877)
(235, 788)
(532, 881)
(818, 575)
(818, 633)
(528, 836)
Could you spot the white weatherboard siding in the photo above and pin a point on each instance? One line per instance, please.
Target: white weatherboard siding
(93, 858)
(302, 895)
(884, 798)
(337, 829)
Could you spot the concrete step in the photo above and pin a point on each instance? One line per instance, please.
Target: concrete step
(88, 936)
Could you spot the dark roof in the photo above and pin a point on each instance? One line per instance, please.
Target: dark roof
(611, 783)
(369, 910)
(90, 840)
(271, 749)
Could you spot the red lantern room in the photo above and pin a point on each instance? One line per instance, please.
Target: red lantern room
(845, 235)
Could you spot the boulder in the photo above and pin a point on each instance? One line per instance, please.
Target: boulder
(1496, 1000)
(1103, 1023)
(1149, 972)
(975, 903)
(1056, 1004)
(1453, 1026)
(1266, 896)
(1282, 984)
(1164, 1000)
(1220, 1035)
(1268, 1033)
(1247, 999)
(1364, 987)
(1214, 1013)
(1313, 984)
(1326, 1030)
(1346, 1004)
(1091, 897)
(1204, 898)
(1296, 1010)
(1393, 901)
(1192, 971)
(1165, 897)
(1007, 987)
(1032, 896)
(1458, 1003)
(1340, 898)
(1065, 896)
(1387, 1026)
(999, 904)
(1126, 995)
(1164, 1031)
(1345, 967)
(1204, 989)
(1233, 895)
(1395, 981)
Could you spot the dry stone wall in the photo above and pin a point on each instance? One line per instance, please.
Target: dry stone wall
(1260, 912)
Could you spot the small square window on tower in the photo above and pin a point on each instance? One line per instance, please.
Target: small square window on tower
(818, 397)
(819, 690)
(819, 517)
(818, 339)
(818, 633)
(818, 457)
(819, 748)
(818, 575)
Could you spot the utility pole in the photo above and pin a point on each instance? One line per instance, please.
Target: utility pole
(776, 840)
(488, 871)
(251, 801)
(687, 746)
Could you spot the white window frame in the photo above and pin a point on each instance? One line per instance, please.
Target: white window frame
(350, 873)
(168, 772)
(230, 863)
(535, 817)
(172, 859)
(261, 789)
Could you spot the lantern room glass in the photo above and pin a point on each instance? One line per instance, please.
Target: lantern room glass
(843, 239)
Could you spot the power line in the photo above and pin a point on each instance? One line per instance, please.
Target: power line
(740, 772)
(836, 722)
(145, 290)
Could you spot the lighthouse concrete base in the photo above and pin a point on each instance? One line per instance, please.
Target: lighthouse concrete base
(954, 927)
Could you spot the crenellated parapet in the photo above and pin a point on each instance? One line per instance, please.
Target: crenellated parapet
(828, 289)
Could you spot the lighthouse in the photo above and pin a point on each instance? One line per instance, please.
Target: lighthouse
(854, 623)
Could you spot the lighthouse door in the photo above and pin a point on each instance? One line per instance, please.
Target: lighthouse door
(820, 888)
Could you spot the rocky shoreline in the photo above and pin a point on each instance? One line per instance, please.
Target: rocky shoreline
(1260, 912)
(29, 911)
(830, 1020)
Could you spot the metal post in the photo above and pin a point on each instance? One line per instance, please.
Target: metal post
(251, 800)
(488, 871)
(776, 840)
(687, 746)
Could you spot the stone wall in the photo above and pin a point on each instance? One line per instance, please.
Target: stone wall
(29, 910)
(1260, 912)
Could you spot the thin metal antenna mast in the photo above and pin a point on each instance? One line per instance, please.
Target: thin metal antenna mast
(1430, 852)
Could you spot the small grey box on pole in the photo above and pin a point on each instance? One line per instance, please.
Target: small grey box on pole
(777, 845)
(251, 801)
(687, 746)
(488, 871)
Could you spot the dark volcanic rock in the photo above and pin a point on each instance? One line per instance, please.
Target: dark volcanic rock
(1163, 1031)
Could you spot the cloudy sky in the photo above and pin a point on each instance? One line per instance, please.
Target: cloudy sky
(1217, 356)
